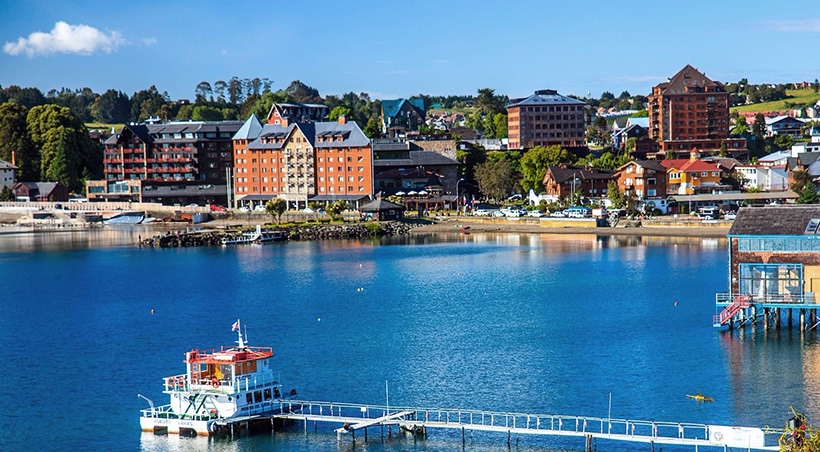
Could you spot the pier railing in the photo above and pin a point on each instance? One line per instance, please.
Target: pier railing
(566, 425)
(726, 298)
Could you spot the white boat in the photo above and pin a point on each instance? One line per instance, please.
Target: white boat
(218, 387)
(257, 236)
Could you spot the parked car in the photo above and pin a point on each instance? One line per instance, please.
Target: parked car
(536, 214)
(730, 216)
(482, 213)
(498, 213)
(558, 214)
(216, 208)
(193, 204)
(578, 212)
(259, 208)
(244, 209)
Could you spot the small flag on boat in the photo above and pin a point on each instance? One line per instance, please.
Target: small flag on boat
(235, 326)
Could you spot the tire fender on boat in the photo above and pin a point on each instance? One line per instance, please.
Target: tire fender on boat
(214, 382)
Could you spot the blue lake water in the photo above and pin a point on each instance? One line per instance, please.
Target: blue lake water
(523, 323)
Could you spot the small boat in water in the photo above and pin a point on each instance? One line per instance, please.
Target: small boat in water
(700, 397)
(218, 387)
(257, 236)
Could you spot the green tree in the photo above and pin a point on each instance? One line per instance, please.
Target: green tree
(741, 127)
(206, 113)
(6, 194)
(66, 152)
(203, 92)
(373, 128)
(147, 103)
(335, 209)
(112, 107)
(275, 208)
(799, 435)
(500, 122)
(808, 195)
(338, 111)
(801, 180)
(615, 196)
(14, 138)
(534, 165)
(497, 178)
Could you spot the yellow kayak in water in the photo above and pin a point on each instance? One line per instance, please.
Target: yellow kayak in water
(700, 397)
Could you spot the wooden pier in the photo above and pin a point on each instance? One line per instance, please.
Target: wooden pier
(352, 418)
(772, 311)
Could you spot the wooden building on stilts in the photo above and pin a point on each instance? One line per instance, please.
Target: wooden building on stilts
(774, 268)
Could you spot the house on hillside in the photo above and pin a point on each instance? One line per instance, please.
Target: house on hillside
(692, 176)
(783, 125)
(399, 116)
(561, 180)
(643, 178)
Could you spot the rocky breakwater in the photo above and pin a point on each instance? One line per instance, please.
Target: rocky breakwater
(312, 232)
(349, 231)
(184, 239)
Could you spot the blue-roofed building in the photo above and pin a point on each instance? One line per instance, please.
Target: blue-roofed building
(399, 116)
(544, 119)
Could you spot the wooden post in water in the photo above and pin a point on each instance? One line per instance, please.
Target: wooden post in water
(802, 319)
(588, 443)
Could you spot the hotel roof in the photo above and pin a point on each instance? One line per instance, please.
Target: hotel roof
(545, 97)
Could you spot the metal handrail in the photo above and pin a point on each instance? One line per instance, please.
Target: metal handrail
(804, 298)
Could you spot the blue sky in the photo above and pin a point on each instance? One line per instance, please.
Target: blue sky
(393, 49)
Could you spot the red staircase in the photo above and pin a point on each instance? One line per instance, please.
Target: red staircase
(740, 302)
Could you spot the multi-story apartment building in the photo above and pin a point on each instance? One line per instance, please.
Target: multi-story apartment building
(167, 159)
(691, 110)
(544, 119)
(301, 162)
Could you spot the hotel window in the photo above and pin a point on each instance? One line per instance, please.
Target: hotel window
(780, 281)
(704, 174)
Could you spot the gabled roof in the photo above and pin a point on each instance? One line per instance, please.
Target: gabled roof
(392, 107)
(4, 165)
(350, 133)
(807, 158)
(775, 156)
(688, 165)
(686, 78)
(782, 118)
(654, 165)
(417, 158)
(250, 130)
(562, 173)
(774, 220)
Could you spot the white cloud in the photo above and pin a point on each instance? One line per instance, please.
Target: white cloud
(65, 38)
(148, 42)
(796, 25)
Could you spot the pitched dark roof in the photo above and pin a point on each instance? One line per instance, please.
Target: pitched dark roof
(380, 205)
(686, 78)
(774, 220)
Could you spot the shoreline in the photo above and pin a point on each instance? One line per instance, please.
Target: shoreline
(455, 225)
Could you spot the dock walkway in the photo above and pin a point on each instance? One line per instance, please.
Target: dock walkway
(351, 418)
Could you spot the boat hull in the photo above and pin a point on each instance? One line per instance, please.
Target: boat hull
(174, 426)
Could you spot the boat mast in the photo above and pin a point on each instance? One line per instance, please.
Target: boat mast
(238, 327)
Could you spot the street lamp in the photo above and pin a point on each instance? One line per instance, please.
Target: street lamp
(457, 208)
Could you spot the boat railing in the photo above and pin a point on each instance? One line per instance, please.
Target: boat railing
(726, 298)
(253, 352)
(165, 412)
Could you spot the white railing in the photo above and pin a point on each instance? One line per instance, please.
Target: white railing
(724, 298)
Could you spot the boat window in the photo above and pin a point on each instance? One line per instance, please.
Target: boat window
(249, 398)
(257, 396)
(267, 394)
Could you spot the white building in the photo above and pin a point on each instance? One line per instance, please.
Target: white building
(7, 171)
(765, 178)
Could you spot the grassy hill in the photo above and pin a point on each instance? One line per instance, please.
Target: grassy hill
(797, 98)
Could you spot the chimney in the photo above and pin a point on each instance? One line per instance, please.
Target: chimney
(342, 119)
(694, 155)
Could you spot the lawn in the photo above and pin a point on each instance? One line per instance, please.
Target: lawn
(797, 98)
